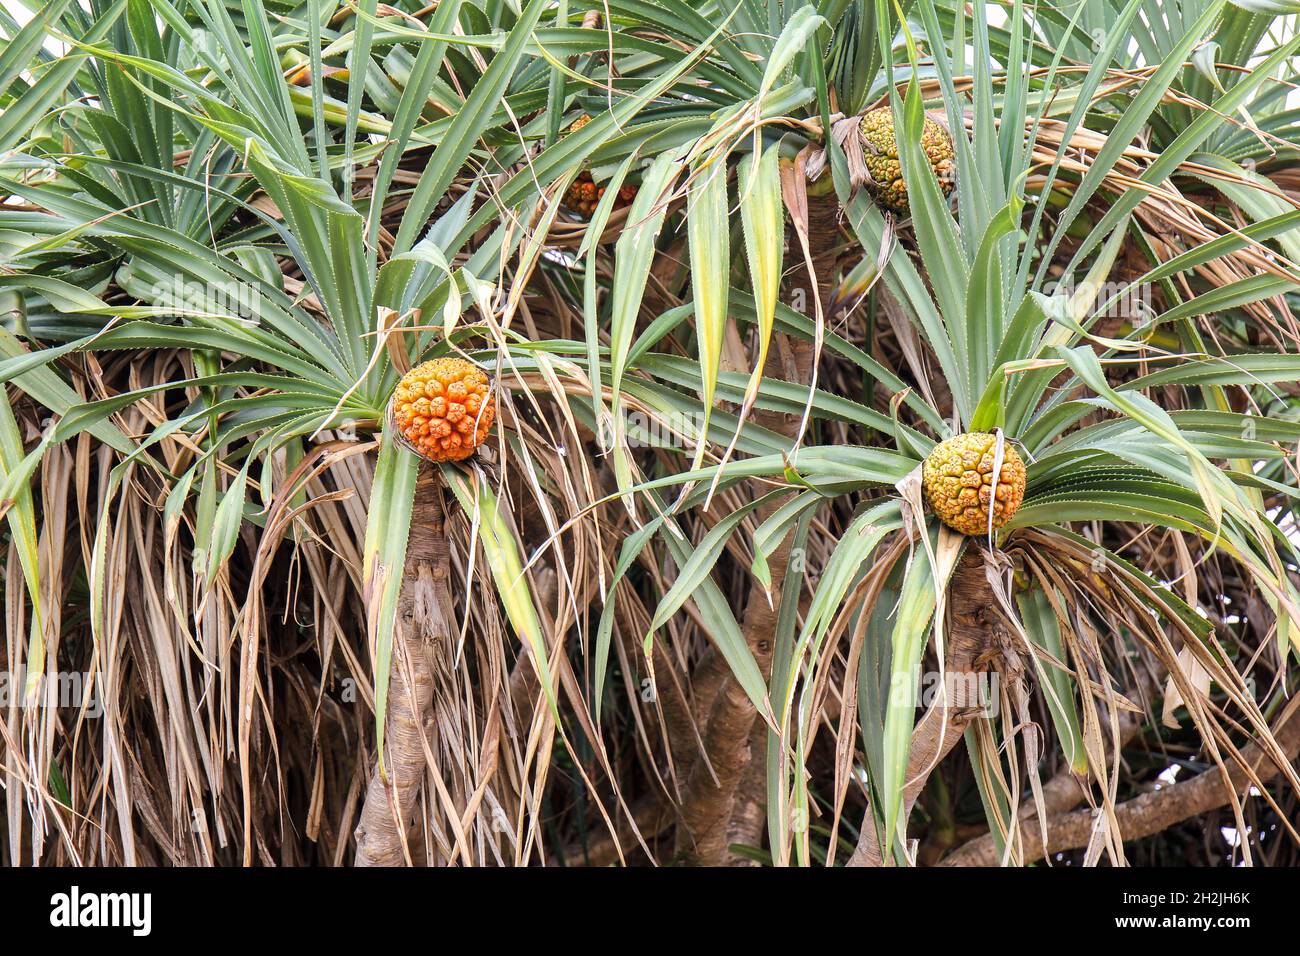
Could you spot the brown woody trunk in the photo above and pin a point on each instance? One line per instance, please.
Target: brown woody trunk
(974, 637)
(723, 793)
(423, 619)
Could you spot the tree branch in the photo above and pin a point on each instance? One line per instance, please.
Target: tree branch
(1146, 814)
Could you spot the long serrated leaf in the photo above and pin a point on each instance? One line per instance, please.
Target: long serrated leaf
(388, 524)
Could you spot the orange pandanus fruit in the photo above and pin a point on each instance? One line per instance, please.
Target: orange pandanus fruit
(584, 192)
(444, 408)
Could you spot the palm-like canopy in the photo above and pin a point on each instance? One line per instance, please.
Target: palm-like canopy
(699, 587)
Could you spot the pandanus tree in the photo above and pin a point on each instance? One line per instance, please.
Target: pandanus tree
(866, 379)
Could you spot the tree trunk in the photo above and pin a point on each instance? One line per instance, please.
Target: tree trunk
(720, 788)
(974, 636)
(423, 619)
